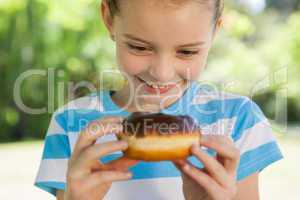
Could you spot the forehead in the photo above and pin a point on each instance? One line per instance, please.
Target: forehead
(166, 3)
(154, 18)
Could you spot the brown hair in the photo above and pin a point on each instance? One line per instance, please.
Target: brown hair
(218, 6)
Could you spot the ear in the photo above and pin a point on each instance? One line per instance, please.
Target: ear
(218, 26)
(219, 23)
(106, 17)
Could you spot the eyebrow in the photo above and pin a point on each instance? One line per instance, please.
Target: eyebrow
(201, 43)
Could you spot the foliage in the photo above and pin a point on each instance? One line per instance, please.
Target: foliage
(69, 37)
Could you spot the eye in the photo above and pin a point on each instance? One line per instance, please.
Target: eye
(137, 48)
(188, 52)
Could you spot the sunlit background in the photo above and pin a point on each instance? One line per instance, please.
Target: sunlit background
(257, 54)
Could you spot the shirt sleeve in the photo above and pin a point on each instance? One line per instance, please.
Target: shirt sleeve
(253, 136)
(56, 153)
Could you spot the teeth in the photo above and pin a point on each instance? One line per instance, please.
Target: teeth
(154, 86)
(163, 87)
(157, 86)
(151, 84)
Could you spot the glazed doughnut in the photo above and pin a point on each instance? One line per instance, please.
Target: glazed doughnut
(158, 136)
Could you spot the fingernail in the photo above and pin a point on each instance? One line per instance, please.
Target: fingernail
(180, 162)
(123, 143)
(128, 174)
(195, 148)
(120, 128)
(204, 138)
(120, 118)
(186, 167)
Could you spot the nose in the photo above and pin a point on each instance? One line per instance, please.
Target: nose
(162, 68)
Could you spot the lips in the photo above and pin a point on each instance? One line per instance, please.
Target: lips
(154, 89)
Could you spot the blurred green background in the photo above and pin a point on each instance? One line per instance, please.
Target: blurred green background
(256, 54)
(257, 44)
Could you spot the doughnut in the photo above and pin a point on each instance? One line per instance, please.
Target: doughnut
(158, 136)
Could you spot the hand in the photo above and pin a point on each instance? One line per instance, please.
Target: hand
(217, 180)
(87, 177)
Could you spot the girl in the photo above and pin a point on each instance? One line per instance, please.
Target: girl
(161, 47)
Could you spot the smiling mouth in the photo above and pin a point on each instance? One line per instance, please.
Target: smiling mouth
(158, 88)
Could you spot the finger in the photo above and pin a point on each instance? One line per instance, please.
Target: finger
(121, 164)
(210, 185)
(95, 152)
(179, 163)
(101, 127)
(95, 130)
(225, 149)
(103, 177)
(212, 166)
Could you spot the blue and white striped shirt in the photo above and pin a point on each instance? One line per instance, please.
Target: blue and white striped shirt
(217, 113)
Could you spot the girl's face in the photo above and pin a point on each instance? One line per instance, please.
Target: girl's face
(159, 44)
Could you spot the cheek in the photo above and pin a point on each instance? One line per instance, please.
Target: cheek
(191, 70)
(129, 63)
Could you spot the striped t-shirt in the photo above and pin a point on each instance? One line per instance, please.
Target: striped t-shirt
(217, 113)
